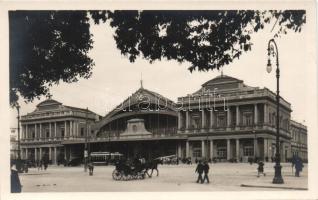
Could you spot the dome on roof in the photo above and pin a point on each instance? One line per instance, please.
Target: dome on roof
(49, 102)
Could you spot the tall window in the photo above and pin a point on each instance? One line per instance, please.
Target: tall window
(62, 132)
(82, 131)
(221, 152)
(221, 121)
(47, 133)
(248, 151)
(247, 118)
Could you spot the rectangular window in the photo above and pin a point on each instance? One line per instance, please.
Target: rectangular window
(82, 131)
(221, 152)
(248, 151)
(62, 133)
(47, 134)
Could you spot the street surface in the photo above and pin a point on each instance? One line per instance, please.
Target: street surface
(223, 177)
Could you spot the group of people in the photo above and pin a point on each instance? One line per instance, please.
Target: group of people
(202, 168)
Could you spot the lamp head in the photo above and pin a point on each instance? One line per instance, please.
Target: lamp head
(269, 66)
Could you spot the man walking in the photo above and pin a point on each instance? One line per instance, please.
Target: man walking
(199, 170)
(206, 172)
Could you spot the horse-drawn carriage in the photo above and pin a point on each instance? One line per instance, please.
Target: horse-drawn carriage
(124, 171)
(134, 170)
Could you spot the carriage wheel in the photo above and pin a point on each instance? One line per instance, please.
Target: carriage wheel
(117, 175)
(126, 177)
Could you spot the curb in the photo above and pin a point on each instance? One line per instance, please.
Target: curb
(263, 186)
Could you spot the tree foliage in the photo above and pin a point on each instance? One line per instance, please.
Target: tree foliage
(47, 47)
(206, 39)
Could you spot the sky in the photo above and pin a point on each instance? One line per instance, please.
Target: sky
(114, 78)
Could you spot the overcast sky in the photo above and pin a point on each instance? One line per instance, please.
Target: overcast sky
(115, 78)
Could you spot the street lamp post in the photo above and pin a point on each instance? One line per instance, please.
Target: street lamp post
(273, 51)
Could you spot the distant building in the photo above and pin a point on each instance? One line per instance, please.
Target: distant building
(13, 144)
(52, 129)
(228, 120)
(225, 120)
(299, 139)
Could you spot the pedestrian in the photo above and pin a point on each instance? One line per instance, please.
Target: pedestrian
(298, 166)
(260, 168)
(206, 172)
(16, 186)
(91, 168)
(199, 170)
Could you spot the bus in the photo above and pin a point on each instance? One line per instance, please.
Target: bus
(104, 158)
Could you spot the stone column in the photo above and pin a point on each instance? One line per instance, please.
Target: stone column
(64, 152)
(50, 131)
(179, 150)
(50, 153)
(255, 114)
(65, 129)
(187, 149)
(71, 128)
(41, 131)
(265, 114)
(238, 120)
(237, 150)
(26, 153)
(36, 154)
(179, 120)
(203, 148)
(26, 131)
(255, 148)
(228, 149)
(211, 149)
(187, 120)
(55, 156)
(211, 118)
(36, 132)
(228, 121)
(40, 152)
(265, 148)
(55, 133)
(203, 120)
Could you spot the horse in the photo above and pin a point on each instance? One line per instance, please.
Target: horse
(152, 165)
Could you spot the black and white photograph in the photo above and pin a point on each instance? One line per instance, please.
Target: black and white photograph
(190, 100)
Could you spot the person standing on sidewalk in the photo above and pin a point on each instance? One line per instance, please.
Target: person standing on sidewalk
(206, 172)
(298, 166)
(199, 170)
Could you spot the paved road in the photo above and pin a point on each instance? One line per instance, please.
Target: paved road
(223, 176)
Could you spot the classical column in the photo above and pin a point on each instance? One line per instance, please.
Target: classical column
(65, 129)
(65, 153)
(179, 120)
(211, 118)
(36, 154)
(187, 120)
(265, 148)
(203, 148)
(71, 128)
(211, 149)
(255, 148)
(50, 131)
(179, 150)
(35, 132)
(228, 149)
(55, 156)
(255, 114)
(237, 150)
(41, 136)
(55, 133)
(238, 116)
(203, 120)
(77, 128)
(40, 152)
(187, 149)
(265, 114)
(26, 153)
(26, 131)
(50, 153)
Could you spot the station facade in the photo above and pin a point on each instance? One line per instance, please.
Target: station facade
(225, 120)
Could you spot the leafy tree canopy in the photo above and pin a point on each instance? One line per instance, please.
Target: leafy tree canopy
(49, 46)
